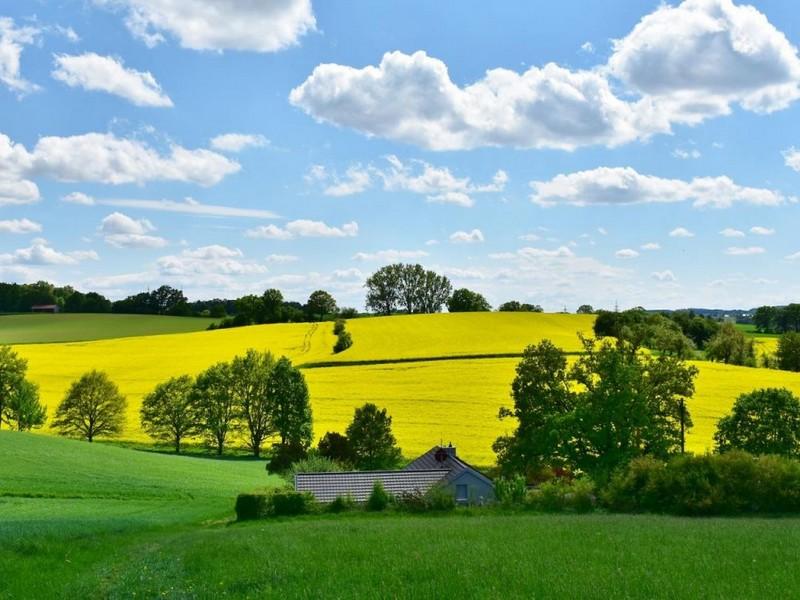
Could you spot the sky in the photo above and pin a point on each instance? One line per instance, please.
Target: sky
(625, 152)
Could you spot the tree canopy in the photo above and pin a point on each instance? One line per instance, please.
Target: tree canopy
(765, 421)
(464, 300)
(371, 439)
(405, 287)
(93, 406)
(168, 413)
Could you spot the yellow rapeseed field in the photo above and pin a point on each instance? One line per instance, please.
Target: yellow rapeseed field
(448, 400)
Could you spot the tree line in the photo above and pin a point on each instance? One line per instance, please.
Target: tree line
(777, 319)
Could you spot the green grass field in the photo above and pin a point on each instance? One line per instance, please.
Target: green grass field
(81, 520)
(44, 328)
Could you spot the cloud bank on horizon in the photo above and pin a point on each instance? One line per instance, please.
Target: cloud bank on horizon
(226, 147)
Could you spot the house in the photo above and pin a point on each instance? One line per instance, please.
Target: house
(44, 308)
(438, 466)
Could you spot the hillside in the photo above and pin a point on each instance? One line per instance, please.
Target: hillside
(446, 399)
(64, 327)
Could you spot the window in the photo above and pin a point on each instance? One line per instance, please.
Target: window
(462, 492)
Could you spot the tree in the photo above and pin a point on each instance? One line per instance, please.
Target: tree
(249, 309)
(410, 288)
(12, 375)
(765, 421)
(542, 400)
(250, 376)
(336, 446)
(371, 439)
(216, 404)
(464, 300)
(515, 306)
(435, 291)
(320, 303)
(383, 290)
(765, 319)
(291, 409)
(272, 305)
(166, 300)
(24, 410)
(169, 413)
(731, 346)
(585, 309)
(788, 352)
(93, 406)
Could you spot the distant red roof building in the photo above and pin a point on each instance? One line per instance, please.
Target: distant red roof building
(45, 308)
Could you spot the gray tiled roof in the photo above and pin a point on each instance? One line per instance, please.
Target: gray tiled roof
(444, 457)
(358, 484)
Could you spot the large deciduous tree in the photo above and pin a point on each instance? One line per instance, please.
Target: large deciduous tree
(250, 376)
(788, 352)
(371, 439)
(216, 404)
(765, 421)
(731, 346)
(93, 406)
(319, 304)
(464, 300)
(291, 410)
(169, 413)
(383, 290)
(24, 410)
(12, 376)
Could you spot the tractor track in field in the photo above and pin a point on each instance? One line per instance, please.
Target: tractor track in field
(389, 361)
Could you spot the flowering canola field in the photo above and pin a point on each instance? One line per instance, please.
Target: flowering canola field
(430, 401)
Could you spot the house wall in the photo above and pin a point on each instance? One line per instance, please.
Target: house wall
(478, 489)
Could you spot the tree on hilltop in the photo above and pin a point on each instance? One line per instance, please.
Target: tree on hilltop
(93, 406)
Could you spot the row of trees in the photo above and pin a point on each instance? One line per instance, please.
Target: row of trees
(19, 297)
(777, 319)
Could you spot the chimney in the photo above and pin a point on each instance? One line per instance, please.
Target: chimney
(450, 450)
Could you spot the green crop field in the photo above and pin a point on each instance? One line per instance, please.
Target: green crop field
(62, 327)
(81, 520)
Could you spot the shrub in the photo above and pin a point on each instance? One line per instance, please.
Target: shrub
(439, 498)
(285, 503)
(510, 491)
(315, 463)
(338, 326)
(342, 504)
(251, 506)
(558, 495)
(714, 484)
(337, 447)
(284, 456)
(343, 341)
(379, 498)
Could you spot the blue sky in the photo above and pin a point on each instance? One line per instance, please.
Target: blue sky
(568, 153)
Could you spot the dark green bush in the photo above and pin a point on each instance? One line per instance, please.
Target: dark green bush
(284, 456)
(559, 495)
(338, 326)
(439, 498)
(342, 504)
(379, 498)
(510, 491)
(286, 503)
(714, 484)
(343, 342)
(251, 506)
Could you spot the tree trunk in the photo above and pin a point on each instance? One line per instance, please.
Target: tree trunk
(220, 444)
(177, 444)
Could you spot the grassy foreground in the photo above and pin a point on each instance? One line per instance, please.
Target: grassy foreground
(63, 327)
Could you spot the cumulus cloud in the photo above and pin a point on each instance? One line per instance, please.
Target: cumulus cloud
(19, 226)
(236, 142)
(679, 65)
(12, 41)
(467, 237)
(759, 230)
(282, 258)
(93, 72)
(731, 232)
(626, 253)
(624, 185)
(651, 246)
(206, 261)
(218, 24)
(303, 228)
(686, 154)
(664, 276)
(744, 250)
(437, 184)
(122, 231)
(15, 166)
(40, 253)
(390, 256)
(792, 158)
(681, 232)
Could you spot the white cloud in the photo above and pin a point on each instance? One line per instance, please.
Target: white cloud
(12, 41)
(121, 231)
(795, 256)
(236, 142)
(186, 206)
(686, 154)
(467, 237)
(664, 276)
(104, 282)
(626, 253)
(206, 261)
(792, 158)
(602, 231)
(93, 72)
(19, 226)
(587, 47)
(282, 258)
(679, 65)
(390, 256)
(731, 232)
(681, 232)
(41, 253)
(530, 237)
(411, 98)
(219, 24)
(694, 60)
(744, 251)
(15, 164)
(623, 185)
(78, 198)
(651, 246)
(303, 228)
(758, 230)
(437, 184)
